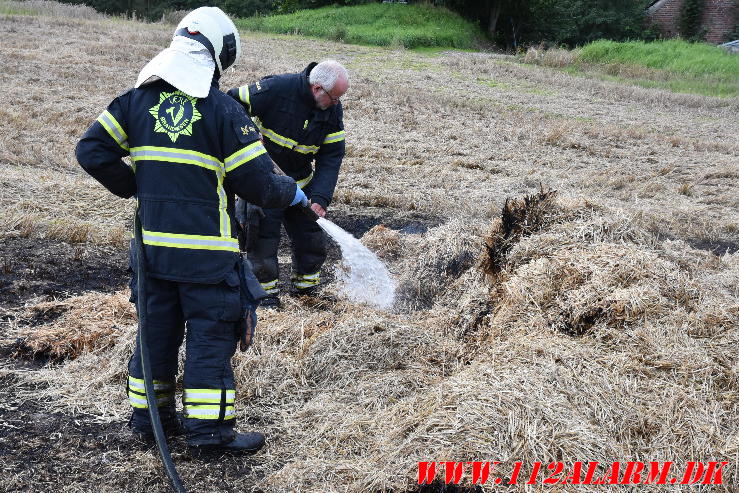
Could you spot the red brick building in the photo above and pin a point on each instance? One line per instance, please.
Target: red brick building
(719, 18)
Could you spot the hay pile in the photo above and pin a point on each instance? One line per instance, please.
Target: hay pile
(590, 341)
(80, 324)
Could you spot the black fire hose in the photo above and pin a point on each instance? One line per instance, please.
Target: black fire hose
(156, 422)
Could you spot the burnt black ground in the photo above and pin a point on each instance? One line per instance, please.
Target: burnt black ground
(42, 451)
(30, 268)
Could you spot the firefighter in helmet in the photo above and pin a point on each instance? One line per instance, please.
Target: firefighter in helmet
(191, 149)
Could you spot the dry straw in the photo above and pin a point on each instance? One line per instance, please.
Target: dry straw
(596, 332)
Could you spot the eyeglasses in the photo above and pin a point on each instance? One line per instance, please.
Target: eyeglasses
(333, 99)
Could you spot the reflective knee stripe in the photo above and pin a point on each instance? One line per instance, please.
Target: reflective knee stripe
(114, 129)
(209, 412)
(244, 97)
(334, 137)
(270, 287)
(193, 242)
(244, 155)
(164, 392)
(303, 281)
(209, 403)
(305, 181)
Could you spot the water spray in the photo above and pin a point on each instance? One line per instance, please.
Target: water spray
(362, 276)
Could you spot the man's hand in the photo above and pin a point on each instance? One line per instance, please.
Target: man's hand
(318, 209)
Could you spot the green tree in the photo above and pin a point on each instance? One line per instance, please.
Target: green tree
(690, 20)
(568, 22)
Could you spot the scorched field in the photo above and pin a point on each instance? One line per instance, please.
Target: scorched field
(594, 316)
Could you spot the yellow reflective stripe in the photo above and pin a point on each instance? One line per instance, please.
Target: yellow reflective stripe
(138, 384)
(306, 280)
(172, 155)
(270, 287)
(230, 414)
(335, 137)
(305, 181)
(305, 284)
(114, 129)
(186, 156)
(286, 141)
(244, 155)
(307, 276)
(194, 242)
(208, 395)
(140, 401)
(225, 220)
(305, 149)
(277, 138)
(244, 96)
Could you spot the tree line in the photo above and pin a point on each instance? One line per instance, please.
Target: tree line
(509, 23)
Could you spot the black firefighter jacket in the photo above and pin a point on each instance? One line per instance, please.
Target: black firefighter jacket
(189, 157)
(296, 132)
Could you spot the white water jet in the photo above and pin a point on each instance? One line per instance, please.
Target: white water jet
(361, 276)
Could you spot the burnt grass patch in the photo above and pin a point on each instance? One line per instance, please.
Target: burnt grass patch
(519, 217)
(33, 267)
(42, 450)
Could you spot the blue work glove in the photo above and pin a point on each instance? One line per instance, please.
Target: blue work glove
(300, 198)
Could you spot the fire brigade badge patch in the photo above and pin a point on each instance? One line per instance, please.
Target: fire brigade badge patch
(175, 114)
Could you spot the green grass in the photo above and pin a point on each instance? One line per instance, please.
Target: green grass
(411, 26)
(676, 65)
(692, 59)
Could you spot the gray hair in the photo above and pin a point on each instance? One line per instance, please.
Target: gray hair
(326, 73)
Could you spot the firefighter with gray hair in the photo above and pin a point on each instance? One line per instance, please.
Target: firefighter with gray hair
(191, 149)
(300, 117)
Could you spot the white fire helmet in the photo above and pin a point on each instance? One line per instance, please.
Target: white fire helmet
(204, 41)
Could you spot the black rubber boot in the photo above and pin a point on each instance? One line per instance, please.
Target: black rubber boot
(244, 444)
(171, 423)
(271, 302)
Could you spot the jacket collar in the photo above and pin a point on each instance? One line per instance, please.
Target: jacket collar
(305, 93)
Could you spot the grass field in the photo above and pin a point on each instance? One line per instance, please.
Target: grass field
(409, 26)
(597, 323)
(677, 65)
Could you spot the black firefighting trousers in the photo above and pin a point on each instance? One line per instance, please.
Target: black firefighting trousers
(308, 243)
(211, 315)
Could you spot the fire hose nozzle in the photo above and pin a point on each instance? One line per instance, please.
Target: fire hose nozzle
(310, 213)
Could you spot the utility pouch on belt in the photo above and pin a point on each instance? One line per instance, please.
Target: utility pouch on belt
(251, 294)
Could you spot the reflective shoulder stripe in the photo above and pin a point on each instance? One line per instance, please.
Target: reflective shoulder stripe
(169, 154)
(193, 242)
(244, 96)
(302, 183)
(335, 137)
(114, 129)
(244, 155)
